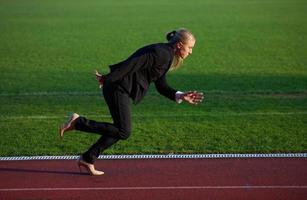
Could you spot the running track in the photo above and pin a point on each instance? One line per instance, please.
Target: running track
(139, 179)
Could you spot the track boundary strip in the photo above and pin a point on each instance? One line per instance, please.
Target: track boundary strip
(158, 188)
(160, 156)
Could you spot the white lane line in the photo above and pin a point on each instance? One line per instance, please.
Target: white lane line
(157, 188)
(160, 115)
(98, 92)
(55, 93)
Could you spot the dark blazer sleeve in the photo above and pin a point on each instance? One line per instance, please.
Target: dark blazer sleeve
(164, 89)
(131, 65)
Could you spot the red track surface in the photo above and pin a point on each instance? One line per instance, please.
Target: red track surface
(278, 178)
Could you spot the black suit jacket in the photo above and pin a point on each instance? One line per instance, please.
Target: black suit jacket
(146, 65)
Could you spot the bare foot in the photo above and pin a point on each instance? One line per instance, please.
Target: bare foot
(69, 125)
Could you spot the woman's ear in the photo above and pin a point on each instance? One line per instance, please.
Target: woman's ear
(179, 45)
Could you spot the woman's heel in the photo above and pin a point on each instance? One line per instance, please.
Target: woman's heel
(89, 167)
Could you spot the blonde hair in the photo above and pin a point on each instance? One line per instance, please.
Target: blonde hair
(181, 35)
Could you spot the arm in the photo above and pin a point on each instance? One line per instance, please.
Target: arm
(192, 97)
(141, 58)
(120, 70)
(164, 89)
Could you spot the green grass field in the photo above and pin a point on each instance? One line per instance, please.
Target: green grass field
(250, 60)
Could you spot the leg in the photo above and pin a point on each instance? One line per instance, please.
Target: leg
(91, 126)
(82, 124)
(119, 105)
(104, 142)
(118, 102)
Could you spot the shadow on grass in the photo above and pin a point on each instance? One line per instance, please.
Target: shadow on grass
(86, 85)
(239, 82)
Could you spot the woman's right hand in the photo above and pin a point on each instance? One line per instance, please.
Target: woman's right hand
(192, 97)
(100, 78)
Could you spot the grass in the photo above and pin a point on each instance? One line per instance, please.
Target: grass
(249, 59)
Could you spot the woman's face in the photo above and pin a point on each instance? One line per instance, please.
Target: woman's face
(185, 49)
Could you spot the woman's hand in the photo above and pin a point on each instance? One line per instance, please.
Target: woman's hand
(100, 78)
(192, 97)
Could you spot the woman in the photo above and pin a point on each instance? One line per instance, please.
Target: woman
(130, 79)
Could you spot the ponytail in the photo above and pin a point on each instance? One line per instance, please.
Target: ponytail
(170, 35)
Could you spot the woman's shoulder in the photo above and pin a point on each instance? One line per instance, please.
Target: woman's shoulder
(162, 46)
(158, 49)
(163, 49)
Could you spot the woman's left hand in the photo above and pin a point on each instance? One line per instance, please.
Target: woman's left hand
(100, 78)
(193, 97)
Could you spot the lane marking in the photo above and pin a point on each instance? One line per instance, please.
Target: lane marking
(157, 188)
(55, 93)
(98, 92)
(160, 156)
(21, 117)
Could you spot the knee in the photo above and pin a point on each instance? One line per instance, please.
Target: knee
(124, 134)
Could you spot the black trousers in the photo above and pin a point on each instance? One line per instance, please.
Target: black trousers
(119, 104)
